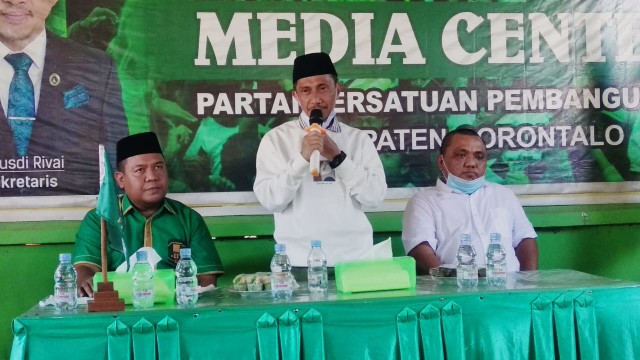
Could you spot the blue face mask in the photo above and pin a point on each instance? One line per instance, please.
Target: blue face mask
(465, 186)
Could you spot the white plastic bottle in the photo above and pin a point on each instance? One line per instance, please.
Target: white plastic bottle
(496, 262)
(65, 289)
(317, 268)
(186, 280)
(467, 271)
(142, 277)
(281, 282)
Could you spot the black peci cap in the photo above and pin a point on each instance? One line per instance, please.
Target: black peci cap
(137, 144)
(311, 65)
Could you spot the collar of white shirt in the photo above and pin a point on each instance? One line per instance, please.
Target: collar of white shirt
(331, 123)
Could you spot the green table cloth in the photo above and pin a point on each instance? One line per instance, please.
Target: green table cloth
(549, 314)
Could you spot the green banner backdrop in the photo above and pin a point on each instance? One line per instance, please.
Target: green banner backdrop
(552, 86)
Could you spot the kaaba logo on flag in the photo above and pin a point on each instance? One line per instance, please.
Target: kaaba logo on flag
(174, 251)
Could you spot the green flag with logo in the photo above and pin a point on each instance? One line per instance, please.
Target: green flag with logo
(108, 206)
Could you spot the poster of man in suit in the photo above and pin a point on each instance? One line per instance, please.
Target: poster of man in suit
(74, 105)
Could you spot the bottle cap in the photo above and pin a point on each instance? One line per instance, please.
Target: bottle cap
(64, 257)
(316, 243)
(465, 238)
(185, 253)
(141, 255)
(280, 248)
(494, 236)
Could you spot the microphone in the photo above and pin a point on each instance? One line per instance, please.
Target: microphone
(315, 119)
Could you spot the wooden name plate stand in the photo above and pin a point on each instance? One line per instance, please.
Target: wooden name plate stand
(105, 299)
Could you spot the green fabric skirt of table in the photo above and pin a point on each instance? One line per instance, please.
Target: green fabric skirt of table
(540, 315)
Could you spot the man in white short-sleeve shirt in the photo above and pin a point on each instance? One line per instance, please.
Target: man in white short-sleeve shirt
(463, 202)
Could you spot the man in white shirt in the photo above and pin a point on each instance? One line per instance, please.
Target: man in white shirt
(74, 104)
(328, 207)
(462, 202)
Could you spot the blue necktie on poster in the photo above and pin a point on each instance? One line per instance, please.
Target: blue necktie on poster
(21, 110)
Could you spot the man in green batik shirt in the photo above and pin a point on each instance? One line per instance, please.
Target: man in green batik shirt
(150, 219)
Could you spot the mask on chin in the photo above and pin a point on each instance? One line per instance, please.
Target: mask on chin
(464, 186)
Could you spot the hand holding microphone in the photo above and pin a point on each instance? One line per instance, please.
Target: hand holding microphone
(315, 120)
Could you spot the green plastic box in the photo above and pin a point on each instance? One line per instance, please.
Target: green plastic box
(163, 284)
(398, 273)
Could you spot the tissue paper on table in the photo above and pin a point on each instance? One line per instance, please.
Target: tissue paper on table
(50, 301)
(381, 250)
(201, 289)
